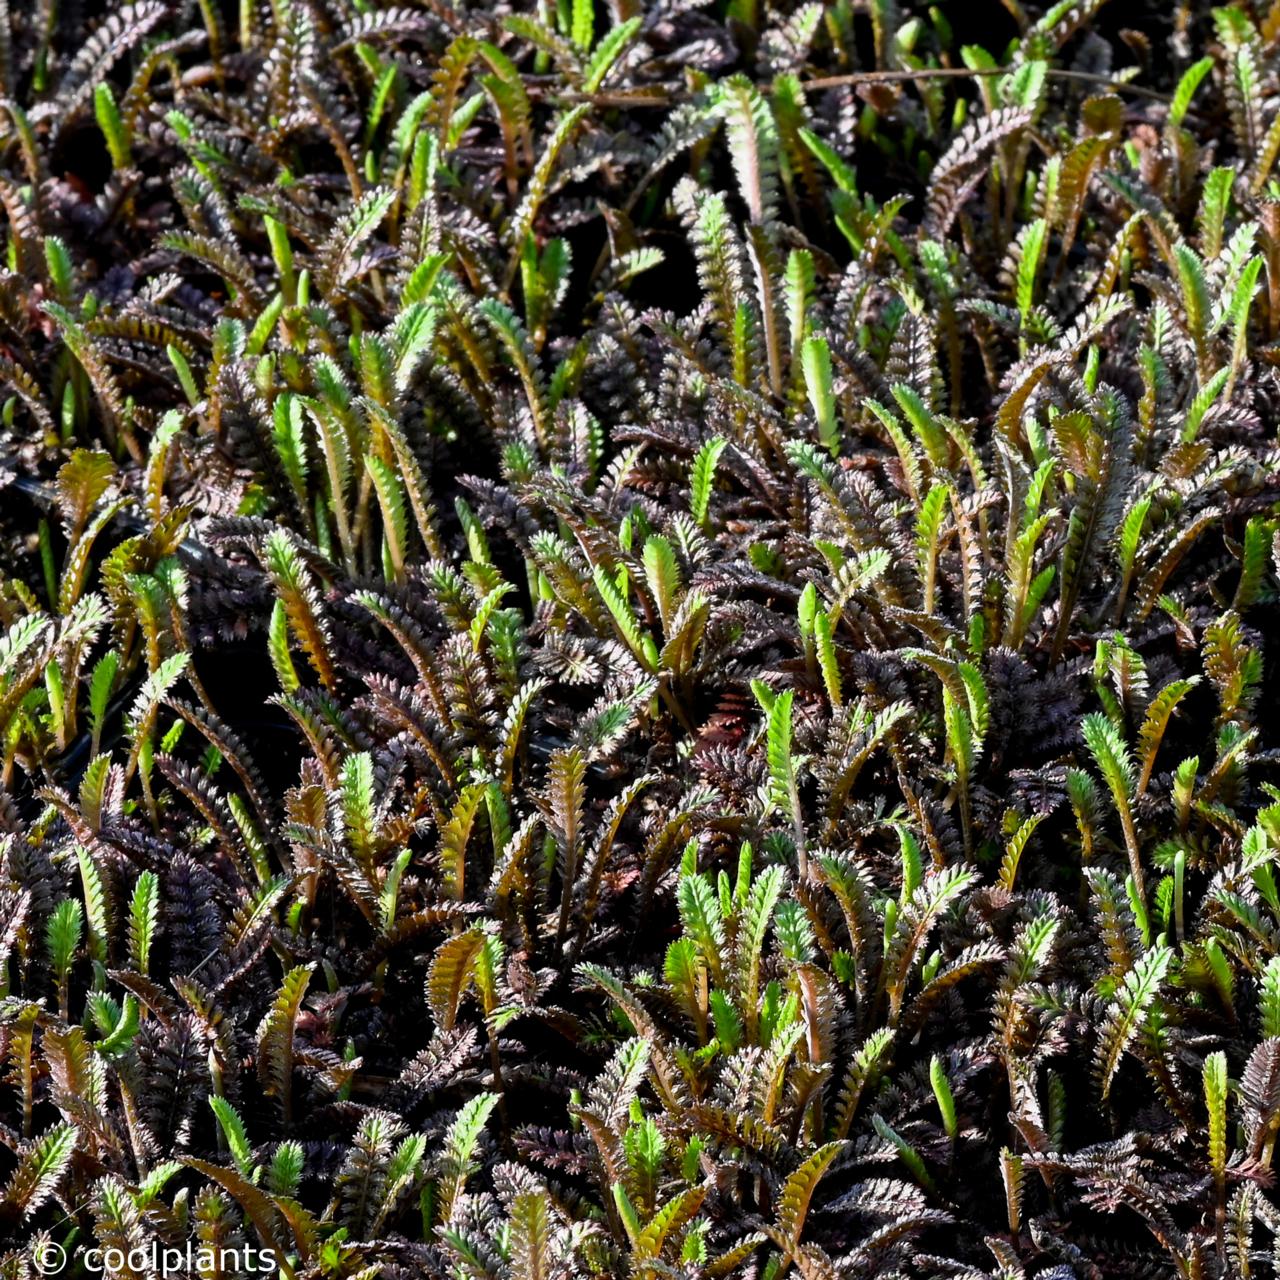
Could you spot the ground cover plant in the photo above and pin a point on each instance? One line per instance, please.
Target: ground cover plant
(638, 640)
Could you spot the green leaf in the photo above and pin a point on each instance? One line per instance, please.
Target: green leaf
(1269, 1003)
(727, 1022)
(275, 1038)
(607, 53)
(284, 1173)
(909, 1156)
(63, 933)
(459, 1148)
(41, 1167)
(101, 684)
(582, 23)
(1215, 196)
(1202, 403)
(1215, 1099)
(61, 273)
(234, 1132)
(539, 182)
(1130, 1012)
(532, 1233)
(1259, 534)
(1013, 850)
(762, 900)
(753, 144)
(669, 1220)
(816, 359)
(845, 178)
(1151, 734)
(623, 614)
(827, 661)
(116, 135)
(1111, 754)
(662, 576)
(144, 914)
(1191, 80)
(356, 782)
(943, 1096)
(783, 787)
(339, 255)
(1195, 291)
(97, 904)
(702, 476)
(1032, 246)
(452, 971)
(700, 915)
(301, 602)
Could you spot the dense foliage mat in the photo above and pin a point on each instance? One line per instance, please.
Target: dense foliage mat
(632, 638)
